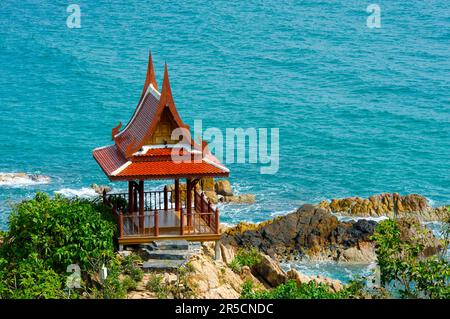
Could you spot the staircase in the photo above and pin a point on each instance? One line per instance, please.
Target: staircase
(167, 254)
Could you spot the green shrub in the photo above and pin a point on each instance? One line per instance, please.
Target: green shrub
(289, 290)
(402, 264)
(157, 285)
(245, 257)
(129, 283)
(130, 267)
(46, 236)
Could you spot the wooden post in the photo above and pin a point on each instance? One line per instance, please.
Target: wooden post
(104, 196)
(177, 195)
(156, 223)
(166, 199)
(135, 199)
(217, 221)
(130, 197)
(141, 207)
(120, 224)
(181, 221)
(202, 203)
(189, 201)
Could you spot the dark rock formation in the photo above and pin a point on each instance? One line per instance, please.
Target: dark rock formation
(310, 231)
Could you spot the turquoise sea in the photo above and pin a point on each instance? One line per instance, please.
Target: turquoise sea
(360, 111)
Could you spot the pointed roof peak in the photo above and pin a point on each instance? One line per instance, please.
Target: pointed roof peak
(150, 78)
(166, 91)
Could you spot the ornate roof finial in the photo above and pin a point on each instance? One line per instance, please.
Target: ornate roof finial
(166, 91)
(150, 78)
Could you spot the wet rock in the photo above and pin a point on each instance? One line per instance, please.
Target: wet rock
(100, 188)
(310, 231)
(223, 187)
(239, 199)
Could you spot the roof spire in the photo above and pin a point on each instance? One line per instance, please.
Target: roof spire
(150, 78)
(166, 91)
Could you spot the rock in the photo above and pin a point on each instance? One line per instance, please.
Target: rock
(300, 279)
(412, 231)
(23, 178)
(211, 279)
(207, 184)
(270, 271)
(212, 196)
(223, 187)
(100, 188)
(363, 254)
(228, 253)
(309, 232)
(383, 205)
(240, 199)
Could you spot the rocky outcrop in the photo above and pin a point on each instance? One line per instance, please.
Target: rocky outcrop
(223, 187)
(23, 178)
(239, 199)
(384, 205)
(301, 279)
(309, 232)
(99, 189)
(270, 271)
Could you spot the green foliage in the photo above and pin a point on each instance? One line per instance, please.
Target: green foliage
(403, 263)
(129, 283)
(290, 290)
(157, 285)
(112, 287)
(130, 267)
(245, 257)
(46, 236)
(120, 202)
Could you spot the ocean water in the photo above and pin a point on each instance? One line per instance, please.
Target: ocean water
(360, 111)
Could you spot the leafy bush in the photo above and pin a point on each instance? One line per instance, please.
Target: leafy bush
(245, 257)
(157, 285)
(46, 236)
(130, 267)
(404, 263)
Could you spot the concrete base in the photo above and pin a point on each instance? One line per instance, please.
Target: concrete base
(120, 247)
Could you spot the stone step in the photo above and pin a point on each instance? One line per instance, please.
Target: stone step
(174, 254)
(162, 264)
(170, 245)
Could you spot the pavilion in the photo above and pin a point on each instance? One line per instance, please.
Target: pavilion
(146, 149)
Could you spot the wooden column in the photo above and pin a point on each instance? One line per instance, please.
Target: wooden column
(166, 199)
(130, 197)
(141, 206)
(189, 201)
(177, 195)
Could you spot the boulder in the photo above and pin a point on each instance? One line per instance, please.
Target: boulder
(228, 253)
(206, 184)
(212, 196)
(335, 285)
(240, 199)
(100, 188)
(269, 270)
(223, 187)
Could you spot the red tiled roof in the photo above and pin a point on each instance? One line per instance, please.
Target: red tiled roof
(138, 126)
(118, 161)
(169, 169)
(109, 158)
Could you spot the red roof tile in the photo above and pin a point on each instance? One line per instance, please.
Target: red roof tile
(169, 169)
(109, 158)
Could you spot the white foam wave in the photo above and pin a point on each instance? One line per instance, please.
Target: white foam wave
(22, 179)
(84, 192)
(344, 218)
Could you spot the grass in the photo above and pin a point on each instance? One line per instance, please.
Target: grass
(245, 257)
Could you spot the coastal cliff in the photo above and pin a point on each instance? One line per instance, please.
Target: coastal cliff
(314, 233)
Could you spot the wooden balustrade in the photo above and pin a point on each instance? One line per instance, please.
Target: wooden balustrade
(204, 218)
